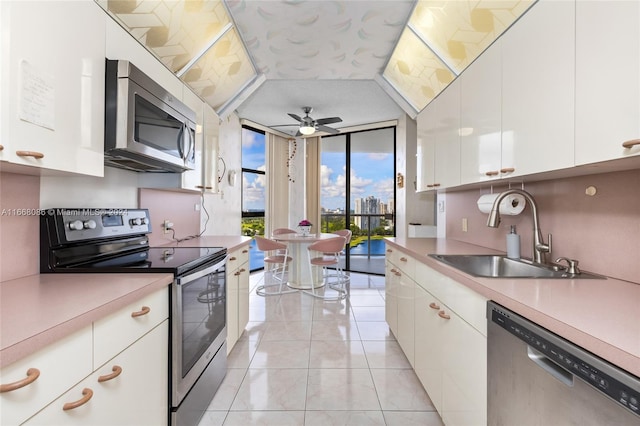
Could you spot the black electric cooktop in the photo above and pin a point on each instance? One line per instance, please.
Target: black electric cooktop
(176, 260)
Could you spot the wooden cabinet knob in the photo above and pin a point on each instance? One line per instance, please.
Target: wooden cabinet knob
(144, 311)
(492, 173)
(630, 143)
(87, 394)
(507, 170)
(443, 315)
(32, 375)
(34, 154)
(116, 371)
(434, 305)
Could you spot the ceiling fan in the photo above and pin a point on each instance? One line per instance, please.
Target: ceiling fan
(308, 126)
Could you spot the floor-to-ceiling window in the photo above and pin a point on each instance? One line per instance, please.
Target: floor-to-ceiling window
(253, 189)
(357, 188)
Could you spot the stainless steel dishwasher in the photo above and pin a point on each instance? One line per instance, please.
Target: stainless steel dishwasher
(537, 378)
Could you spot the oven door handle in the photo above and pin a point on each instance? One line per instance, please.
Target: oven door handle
(201, 273)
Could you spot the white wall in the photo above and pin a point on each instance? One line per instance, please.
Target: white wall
(118, 189)
(411, 207)
(225, 208)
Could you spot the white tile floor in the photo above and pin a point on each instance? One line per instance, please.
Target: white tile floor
(304, 361)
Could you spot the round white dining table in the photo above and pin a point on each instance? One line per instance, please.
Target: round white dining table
(300, 275)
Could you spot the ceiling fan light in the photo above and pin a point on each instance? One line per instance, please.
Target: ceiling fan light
(307, 130)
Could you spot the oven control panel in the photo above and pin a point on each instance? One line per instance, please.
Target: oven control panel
(75, 225)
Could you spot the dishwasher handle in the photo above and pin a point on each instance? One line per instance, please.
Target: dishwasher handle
(550, 367)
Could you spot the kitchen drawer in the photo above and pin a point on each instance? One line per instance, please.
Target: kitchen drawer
(468, 304)
(115, 332)
(61, 365)
(137, 394)
(238, 257)
(404, 262)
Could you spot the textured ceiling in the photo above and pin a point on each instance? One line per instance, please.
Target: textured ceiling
(320, 39)
(322, 54)
(363, 61)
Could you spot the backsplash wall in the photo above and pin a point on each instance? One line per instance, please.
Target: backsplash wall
(181, 208)
(19, 225)
(601, 231)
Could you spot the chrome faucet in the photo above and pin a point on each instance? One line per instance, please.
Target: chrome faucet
(540, 248)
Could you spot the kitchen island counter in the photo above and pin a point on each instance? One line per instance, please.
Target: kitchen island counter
(602, 316)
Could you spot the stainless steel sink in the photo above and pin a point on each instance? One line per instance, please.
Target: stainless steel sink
(493, 266)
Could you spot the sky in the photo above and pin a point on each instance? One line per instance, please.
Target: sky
(371, 174)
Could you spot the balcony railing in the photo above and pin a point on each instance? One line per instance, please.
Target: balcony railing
(367, 249)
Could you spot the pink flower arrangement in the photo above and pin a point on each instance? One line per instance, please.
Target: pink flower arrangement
(305, 222)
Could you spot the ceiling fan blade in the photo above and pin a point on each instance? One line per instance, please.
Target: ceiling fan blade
(295, 117)
(322, 128)
(285, 125)
(329, 120)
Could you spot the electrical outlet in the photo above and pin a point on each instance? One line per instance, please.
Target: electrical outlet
(464, 224)
(167, 225)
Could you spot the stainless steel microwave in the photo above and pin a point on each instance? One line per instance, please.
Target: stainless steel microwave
(146, 128)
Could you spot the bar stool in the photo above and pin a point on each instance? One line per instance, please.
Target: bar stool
(276, 254)
(330, 250)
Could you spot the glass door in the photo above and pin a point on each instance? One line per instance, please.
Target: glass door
(363, 197)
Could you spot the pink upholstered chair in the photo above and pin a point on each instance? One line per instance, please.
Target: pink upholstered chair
(280, 231)
(330, 256)
(346, 233)
(276, 259)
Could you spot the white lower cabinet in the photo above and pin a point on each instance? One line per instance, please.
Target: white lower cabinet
(451, 361)
(428, 366)
(237, 295)
(130, 389)
(399, 299)
(406, 320)
(60, 366)
(391, 295)
(441, 328)
(127, 349)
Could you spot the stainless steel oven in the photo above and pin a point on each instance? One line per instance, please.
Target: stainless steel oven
(115, 240)
(198, 344)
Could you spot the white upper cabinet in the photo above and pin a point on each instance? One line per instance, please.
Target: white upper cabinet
(607, 79)
(538, 79)
(426, 148)
(52, 85)
(447, 148)
(438, 145)
(480, 118)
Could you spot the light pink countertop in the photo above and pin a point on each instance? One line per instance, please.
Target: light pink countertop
(38, 310)
(602, 316)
